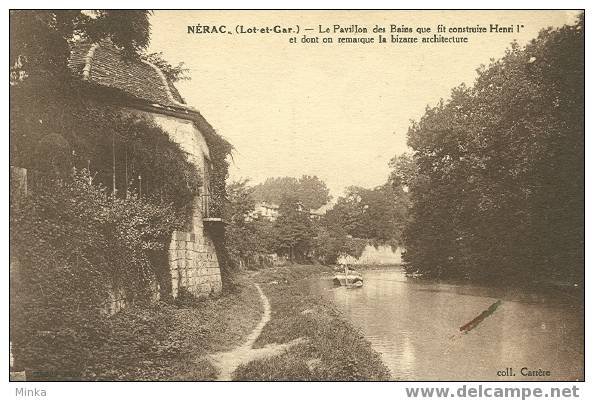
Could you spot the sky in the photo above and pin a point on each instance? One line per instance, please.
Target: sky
(338, 111)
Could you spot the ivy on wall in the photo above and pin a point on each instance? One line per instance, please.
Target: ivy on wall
(74, 244)
(219, 150)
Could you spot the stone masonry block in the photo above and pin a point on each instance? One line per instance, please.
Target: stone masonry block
(217, 286)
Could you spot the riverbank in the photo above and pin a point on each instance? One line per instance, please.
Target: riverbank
(302, 337)
(330, 348)
(173, 342)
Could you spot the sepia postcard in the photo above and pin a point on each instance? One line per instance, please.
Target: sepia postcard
(298, 195)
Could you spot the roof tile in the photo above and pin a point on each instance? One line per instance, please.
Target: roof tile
(109, 68)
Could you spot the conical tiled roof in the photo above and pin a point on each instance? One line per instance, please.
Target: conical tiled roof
(103, 64)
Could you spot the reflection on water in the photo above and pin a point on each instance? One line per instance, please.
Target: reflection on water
(415, 325)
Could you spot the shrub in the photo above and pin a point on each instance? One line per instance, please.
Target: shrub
(73, 245)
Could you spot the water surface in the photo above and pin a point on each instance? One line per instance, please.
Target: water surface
(415, 324)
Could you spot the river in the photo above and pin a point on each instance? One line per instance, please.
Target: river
(415, 324)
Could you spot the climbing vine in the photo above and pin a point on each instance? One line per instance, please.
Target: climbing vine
(75, 245)
(76, 238)
(219, 150)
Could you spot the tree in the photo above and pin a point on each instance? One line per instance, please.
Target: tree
(247, 239)
(498, 178)
(240, 202)
(377, 214)
(404, 171)
(330, 244)
(313, 192)
(273, 189)
(53, 125)
(294, 230)
(44, 96)
(309, 190)
(39, 39)
(239, 233)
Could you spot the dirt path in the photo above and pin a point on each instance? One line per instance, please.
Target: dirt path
(227, 362)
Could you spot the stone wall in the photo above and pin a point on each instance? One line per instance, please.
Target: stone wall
(193, 265)
(382, 255)
(193, 261)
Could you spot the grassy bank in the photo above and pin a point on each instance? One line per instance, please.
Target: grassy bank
(335, 350)
(171, 342)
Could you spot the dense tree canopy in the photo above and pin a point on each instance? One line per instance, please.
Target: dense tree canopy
(39, 39)
(309, 190)
(293, 229)
(295, 234)
(377, 214)
(246, 238)
(364, 216)
(497, 185)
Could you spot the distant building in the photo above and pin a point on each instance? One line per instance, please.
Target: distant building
(269, 211)
(317, 214)
(265, 210)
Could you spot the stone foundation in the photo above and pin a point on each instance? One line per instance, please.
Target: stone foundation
(194, 265)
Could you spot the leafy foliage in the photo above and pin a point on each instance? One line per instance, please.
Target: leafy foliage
(294, 229)
(309, 190)
(55, 135)
(174, 73)
(76, 240)
(404, 171)
(55, 114)
(312, 192)
(219, 150)
(377, 214)
(247, 239)
(39, 39)
(169, 342)
(329, 245)
(497, 184)
(362, 217)
(74, 246)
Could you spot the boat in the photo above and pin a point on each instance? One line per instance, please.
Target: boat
(352, 279)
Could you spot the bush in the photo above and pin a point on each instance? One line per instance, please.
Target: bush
(73, 245)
